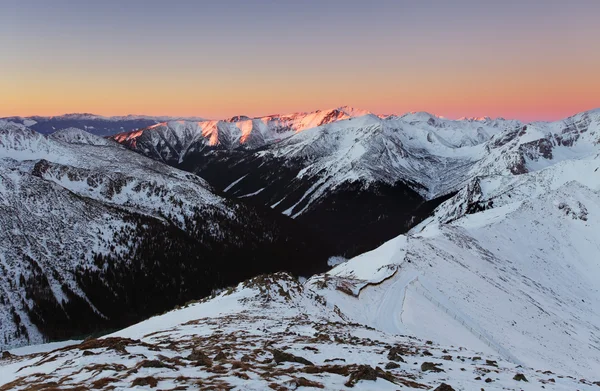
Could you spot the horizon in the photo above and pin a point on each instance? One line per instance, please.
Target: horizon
(383, 115)
(532, 61)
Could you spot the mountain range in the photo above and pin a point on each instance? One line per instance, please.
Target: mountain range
(95, 236)
(467, 238)
(358, 179)
(95, 124)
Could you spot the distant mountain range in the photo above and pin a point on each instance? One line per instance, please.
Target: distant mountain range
(357, 178)
(94, 124)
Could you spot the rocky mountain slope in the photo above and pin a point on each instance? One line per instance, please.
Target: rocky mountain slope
(95, 236)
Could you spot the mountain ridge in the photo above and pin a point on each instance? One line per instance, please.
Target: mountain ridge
(87, 223)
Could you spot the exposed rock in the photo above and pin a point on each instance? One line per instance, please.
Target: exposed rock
(220, 356)
(145, 381)
(394, 354)
(303, 382)
(280, 356)
(200, 358)
(429, 366)
(363, 372)
(6, 355)
(154, 364)
(520, 377)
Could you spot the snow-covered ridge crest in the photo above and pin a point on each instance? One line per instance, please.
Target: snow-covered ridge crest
(78, 136)
(17, 140)
(241, 130)
(274, 127)
(495, 191)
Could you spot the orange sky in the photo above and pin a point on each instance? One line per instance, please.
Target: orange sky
(510, 61)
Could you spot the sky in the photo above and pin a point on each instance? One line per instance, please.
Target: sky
(526, 59)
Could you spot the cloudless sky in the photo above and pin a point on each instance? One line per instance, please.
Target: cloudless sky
(527, 59)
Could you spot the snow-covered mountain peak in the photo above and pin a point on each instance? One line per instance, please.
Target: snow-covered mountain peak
(18, 141)
(420, 116)
(353, 112)
(78, 136)
(479, 119)
(239, 131)
(82, 116)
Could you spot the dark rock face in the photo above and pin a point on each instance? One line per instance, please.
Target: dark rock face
(536, 149)
(444, 387)
(366, 372)
(220, 356)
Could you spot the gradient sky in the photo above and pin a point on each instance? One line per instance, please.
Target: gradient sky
(527, 59)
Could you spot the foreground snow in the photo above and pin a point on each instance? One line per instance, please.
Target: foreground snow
(268, 333)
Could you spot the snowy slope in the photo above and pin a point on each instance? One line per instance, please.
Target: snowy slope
(540, 144)
(509, 265)
(78, 136)
(270, 333)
